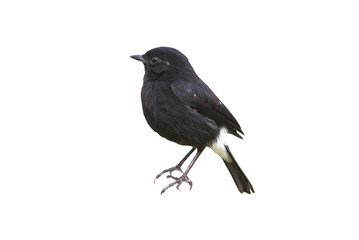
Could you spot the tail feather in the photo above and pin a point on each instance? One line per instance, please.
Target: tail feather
(238, 175)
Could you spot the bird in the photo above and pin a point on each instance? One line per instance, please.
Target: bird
(180, 107)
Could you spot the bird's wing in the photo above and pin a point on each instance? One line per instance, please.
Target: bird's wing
(198, 96)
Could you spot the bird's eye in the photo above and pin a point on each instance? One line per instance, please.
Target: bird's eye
(154, 60)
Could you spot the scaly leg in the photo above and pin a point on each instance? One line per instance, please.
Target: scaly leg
(177, 167)
(184, 177)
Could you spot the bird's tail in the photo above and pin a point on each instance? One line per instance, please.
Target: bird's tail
(242, 182)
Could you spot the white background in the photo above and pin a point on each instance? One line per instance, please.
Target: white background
(77, 158)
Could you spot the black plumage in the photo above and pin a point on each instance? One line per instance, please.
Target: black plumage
(180, 107)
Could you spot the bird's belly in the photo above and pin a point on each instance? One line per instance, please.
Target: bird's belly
(181, 124)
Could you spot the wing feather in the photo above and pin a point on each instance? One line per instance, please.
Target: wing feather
(197, 95)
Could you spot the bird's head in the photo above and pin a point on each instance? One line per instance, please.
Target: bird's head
(163, 62)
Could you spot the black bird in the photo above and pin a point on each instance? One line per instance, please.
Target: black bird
(180, 107)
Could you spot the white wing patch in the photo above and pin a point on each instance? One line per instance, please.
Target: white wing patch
(219, 145)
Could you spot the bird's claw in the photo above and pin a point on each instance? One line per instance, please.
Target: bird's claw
(179, 182)
(170, 170)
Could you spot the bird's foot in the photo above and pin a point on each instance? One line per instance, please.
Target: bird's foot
(170, 170)
(178, 181)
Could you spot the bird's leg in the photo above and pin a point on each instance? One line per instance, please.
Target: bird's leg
(177, 167)
(184, 177)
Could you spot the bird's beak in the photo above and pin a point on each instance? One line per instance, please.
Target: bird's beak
(138, 57)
